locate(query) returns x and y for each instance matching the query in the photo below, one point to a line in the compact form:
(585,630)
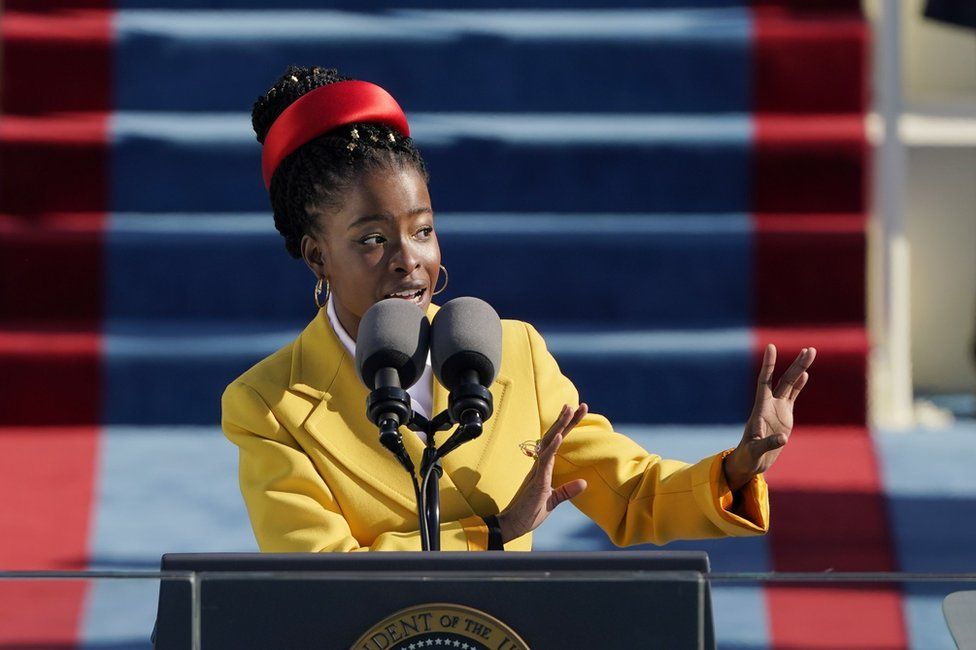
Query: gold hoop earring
(318,291)
(446,280)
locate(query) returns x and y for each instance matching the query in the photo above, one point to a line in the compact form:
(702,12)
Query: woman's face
(379,244)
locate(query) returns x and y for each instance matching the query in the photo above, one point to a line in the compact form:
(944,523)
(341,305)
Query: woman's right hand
(536,497)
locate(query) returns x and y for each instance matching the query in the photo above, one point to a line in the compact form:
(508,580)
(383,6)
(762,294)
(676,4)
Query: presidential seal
(440,626)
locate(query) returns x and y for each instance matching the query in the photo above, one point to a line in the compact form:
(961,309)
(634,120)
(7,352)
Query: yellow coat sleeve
(290,506)
(634,496)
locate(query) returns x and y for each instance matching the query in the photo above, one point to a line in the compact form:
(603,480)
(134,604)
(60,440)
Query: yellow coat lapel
(322,369)
(468,464)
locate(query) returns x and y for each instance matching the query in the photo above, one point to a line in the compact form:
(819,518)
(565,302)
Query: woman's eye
(372,240)
(425,232)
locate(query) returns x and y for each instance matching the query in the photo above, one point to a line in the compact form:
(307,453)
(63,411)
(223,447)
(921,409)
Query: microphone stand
(391,405)
(429,505)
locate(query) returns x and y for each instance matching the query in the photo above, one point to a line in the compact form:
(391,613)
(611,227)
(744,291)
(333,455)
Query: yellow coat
(315,477)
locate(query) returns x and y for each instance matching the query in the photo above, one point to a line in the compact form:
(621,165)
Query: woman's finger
(789,377)
(548,454)
(575,418)
(542,480)
(549,449)
(766,370)
(797,368)
(553,429)
(758,447)
(798,386)
(772,442)
(565,492)
(566,423)
(578,416)
(564,415)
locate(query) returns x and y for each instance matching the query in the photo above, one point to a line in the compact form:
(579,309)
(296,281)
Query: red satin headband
(323,109)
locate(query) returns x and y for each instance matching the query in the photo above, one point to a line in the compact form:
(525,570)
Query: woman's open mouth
(415,295)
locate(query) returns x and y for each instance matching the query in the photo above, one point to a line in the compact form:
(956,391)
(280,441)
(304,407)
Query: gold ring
(531,448)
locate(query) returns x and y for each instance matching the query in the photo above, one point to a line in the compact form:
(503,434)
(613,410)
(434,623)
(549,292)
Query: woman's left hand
(771,422)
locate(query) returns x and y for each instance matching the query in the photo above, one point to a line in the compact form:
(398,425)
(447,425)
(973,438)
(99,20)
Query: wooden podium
(414,601)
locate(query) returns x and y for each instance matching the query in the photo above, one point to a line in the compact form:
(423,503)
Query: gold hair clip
(351,146)
(354,134)
(392,138)
(294,78)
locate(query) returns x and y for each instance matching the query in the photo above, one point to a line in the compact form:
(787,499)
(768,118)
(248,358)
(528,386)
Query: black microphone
(466,352)
(391,353)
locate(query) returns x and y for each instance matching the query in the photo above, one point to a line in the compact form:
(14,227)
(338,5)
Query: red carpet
(50,471)
(811,179)
(830,515)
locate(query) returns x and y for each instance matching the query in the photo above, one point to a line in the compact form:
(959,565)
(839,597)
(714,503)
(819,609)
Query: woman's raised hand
(536,498)
(771,422)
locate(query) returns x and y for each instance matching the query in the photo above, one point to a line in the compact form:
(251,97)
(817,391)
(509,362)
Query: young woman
(349,192)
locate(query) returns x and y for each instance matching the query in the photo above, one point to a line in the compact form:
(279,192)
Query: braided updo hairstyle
(317,174)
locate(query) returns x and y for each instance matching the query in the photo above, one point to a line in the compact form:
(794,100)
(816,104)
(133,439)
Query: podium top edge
(497,561)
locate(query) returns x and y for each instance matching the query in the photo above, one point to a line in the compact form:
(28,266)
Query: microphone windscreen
(466,335)
(393,333)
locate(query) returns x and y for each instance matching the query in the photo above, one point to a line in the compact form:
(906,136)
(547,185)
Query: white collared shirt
(421,393)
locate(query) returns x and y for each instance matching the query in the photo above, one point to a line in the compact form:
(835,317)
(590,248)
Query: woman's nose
(405,258)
